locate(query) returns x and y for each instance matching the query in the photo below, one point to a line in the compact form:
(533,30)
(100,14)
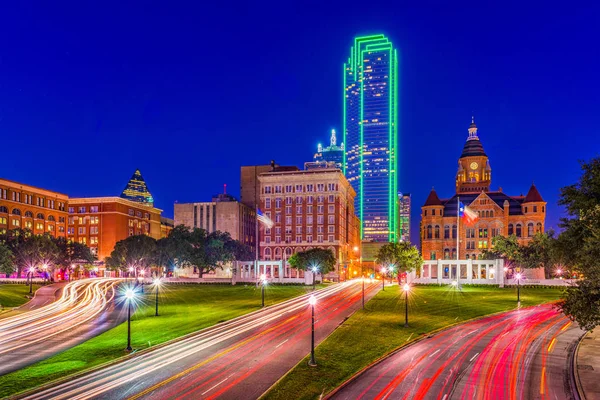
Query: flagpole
(457,227)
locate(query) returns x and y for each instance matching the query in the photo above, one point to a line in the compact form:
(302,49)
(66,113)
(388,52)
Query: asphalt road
(521,354)
(238,359)
(84,309)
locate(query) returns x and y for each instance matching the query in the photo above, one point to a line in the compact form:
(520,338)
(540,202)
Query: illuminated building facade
(137,190)
(371,135)
(309,209)
(28,207)
(331,156)
(404,217)
(497,213)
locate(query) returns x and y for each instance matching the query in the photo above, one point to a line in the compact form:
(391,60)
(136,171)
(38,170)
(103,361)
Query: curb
(575,372)
(412,342)
(134,353)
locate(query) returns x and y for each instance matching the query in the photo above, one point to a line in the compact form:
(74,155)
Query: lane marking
(551,345)
(543,381)
(215,386)
(445,397)
(471,332)
(434,353)
(281,343)
(475,356)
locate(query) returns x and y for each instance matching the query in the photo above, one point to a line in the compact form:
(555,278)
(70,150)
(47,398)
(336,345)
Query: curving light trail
(216,360)
(80,302)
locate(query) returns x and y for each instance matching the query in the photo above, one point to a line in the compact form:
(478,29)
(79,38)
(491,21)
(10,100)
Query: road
(84,309)
(521,354)
(238,359)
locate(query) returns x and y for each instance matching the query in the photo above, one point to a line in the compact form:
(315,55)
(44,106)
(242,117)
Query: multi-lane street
(238,359)
(84,309)
(522,354)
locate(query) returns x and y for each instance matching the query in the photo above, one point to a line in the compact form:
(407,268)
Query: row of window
(319,187)
(300,219)
(29,214)
(299,200)
(309,229)
(309,209)
(94,209)
(452,255)
(433,232)
(15,223)
(288,251)
(309,239)
(29,199)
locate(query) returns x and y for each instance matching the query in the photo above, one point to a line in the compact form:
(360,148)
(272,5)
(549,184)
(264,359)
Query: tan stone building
(498,213)
(28,207)
(312,208)
(224,214)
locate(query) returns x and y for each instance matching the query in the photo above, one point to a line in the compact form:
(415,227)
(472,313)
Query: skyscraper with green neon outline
(371,134)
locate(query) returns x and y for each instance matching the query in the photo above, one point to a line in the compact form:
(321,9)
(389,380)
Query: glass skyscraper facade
(371,135)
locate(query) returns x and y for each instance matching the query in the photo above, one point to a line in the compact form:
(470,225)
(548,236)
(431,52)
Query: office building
(404,217)
(371,135)
(331,156)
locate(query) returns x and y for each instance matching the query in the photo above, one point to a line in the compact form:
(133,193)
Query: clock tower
(474,172)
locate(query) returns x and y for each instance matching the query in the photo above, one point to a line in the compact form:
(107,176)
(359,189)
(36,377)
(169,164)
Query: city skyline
(97,95)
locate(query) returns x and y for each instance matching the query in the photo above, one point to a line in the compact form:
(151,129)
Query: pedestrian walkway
(588,365)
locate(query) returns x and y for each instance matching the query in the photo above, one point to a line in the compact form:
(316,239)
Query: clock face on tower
(474,165)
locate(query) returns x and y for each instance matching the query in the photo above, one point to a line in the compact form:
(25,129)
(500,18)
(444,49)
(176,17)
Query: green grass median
(14,294)
(183,309)
(379,329)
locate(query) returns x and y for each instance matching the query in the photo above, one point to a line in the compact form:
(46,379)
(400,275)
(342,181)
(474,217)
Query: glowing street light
(383,271)
(263,281)
(31,271)
(454,284)
(45,268)
(518,277)
(157,283)
(406,290)
(130,296)
(314,270)
(312,300)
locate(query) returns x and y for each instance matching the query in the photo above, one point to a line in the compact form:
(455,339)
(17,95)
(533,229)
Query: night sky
(188,94)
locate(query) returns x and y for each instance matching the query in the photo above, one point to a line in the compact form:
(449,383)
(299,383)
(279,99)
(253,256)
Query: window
(530,229)
(432,255)
(299,189)
(309,188)
(309,209)
(278,188)
(298,209)
(278,203)
(93,209)
(299,220)
(425,213)
(319,238)
(130,231)
(298,230)
(446,231)
(309,219)
(299,239)
(429,232)
(470,233)
(83,240)
(330,238)
(331,198)
(510,229)
(61,229)
(538,227)
(267,203)
(483,232)
(81,210)
(16,222)
(3,209)
(309,229)
(298,200)
(139,214)
(453,231)
(288,209)
(131,212)
(525,209)
(320,229)
(50,228)
(289,200)
(331,219)
(331,209)
(321,199)
(70,230)
(146,215)
(60,219)
(309,238)
(437,231)
(331,187)
(320,209)
(331,229)
(534,209)
(2,220)
(483,244)
(16,211)
(320,187)
(519,233)
(288,220)
(94,220)
(81,230)
(277,239)
(268,240)
(289,188)
(94,240)
(446,254)
(433,212)
(268,190)
(93,230)
(320,219)
(29,214)
(71,210)
(277,217)
(39,226)
(309,200)
(131,222)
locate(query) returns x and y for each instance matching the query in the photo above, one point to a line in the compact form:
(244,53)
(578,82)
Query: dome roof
(473,147)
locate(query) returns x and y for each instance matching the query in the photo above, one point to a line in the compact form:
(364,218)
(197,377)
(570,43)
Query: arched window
(453,231)
(278,253)
(268,254)
(3,209)
(538,227)
(492,214)
(16,211)
(530,229)
(454,254)
(446,231)
(446,254)
(467,256)
(519,229)
(437,231)
(487,214)
(28,214)
(429,233)
(51,218)
(288,252)
(511,229)
(40,216)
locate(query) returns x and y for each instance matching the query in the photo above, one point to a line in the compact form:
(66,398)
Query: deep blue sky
(189,93)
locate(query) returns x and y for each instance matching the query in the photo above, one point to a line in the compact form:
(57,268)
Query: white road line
(335,308)
(281,343)
(445,397)
(215,386)
(475,356)
(472,332)
(434,353)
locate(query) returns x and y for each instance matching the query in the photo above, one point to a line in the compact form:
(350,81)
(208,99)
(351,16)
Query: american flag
(263,219)
(469,215)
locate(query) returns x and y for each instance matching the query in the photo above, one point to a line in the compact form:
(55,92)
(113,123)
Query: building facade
(311,208)
(224,213)
(371,135)
(404,217)
(28,207)
(331,156)
(497,213)
(100,222)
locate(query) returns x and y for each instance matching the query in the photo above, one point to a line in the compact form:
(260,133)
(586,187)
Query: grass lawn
(14,295)
(370,334)
(183,309)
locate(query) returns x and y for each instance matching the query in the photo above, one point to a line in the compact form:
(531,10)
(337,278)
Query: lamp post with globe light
(314,271)
(312,300)
(518,276)
(157,283)
(263,282)
(45,268)
(406,290)
(129,296)
(31,271)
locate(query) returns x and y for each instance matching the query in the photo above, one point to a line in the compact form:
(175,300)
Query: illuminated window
(70,231)
(81,230)
(83,240)
(94,230)
(61,229)
(93,209)
(2,220)
(39,226)
(94,240)
(94,220)
(81,220)
(50,228)
(16,222)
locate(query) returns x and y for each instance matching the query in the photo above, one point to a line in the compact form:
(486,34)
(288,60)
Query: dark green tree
(506,248)
(322,259)
(73,255)
(7,260)
(36,251)
(401,257)
(138,252)
(579,245)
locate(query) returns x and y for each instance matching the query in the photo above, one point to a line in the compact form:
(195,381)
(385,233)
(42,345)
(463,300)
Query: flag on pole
(263,219)
(465,212)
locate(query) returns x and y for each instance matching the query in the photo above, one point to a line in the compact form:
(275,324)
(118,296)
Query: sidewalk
(588,365)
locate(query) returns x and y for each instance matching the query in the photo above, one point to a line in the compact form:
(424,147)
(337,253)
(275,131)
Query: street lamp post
(157,283)
(130,272)
(129,295)
(31,270)
(518,276)
(45,267)
(314,274)
(312,301)
(383,270)
(406,289)
(263,280)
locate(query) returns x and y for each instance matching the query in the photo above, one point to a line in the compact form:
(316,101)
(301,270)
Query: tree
(174,250)
(36,251)
(7,260)
(581,239)
(209,251)
(13,239)
(507,248)
(540,253)
(138,252)
(323,259)
(73,254)
(402,257)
